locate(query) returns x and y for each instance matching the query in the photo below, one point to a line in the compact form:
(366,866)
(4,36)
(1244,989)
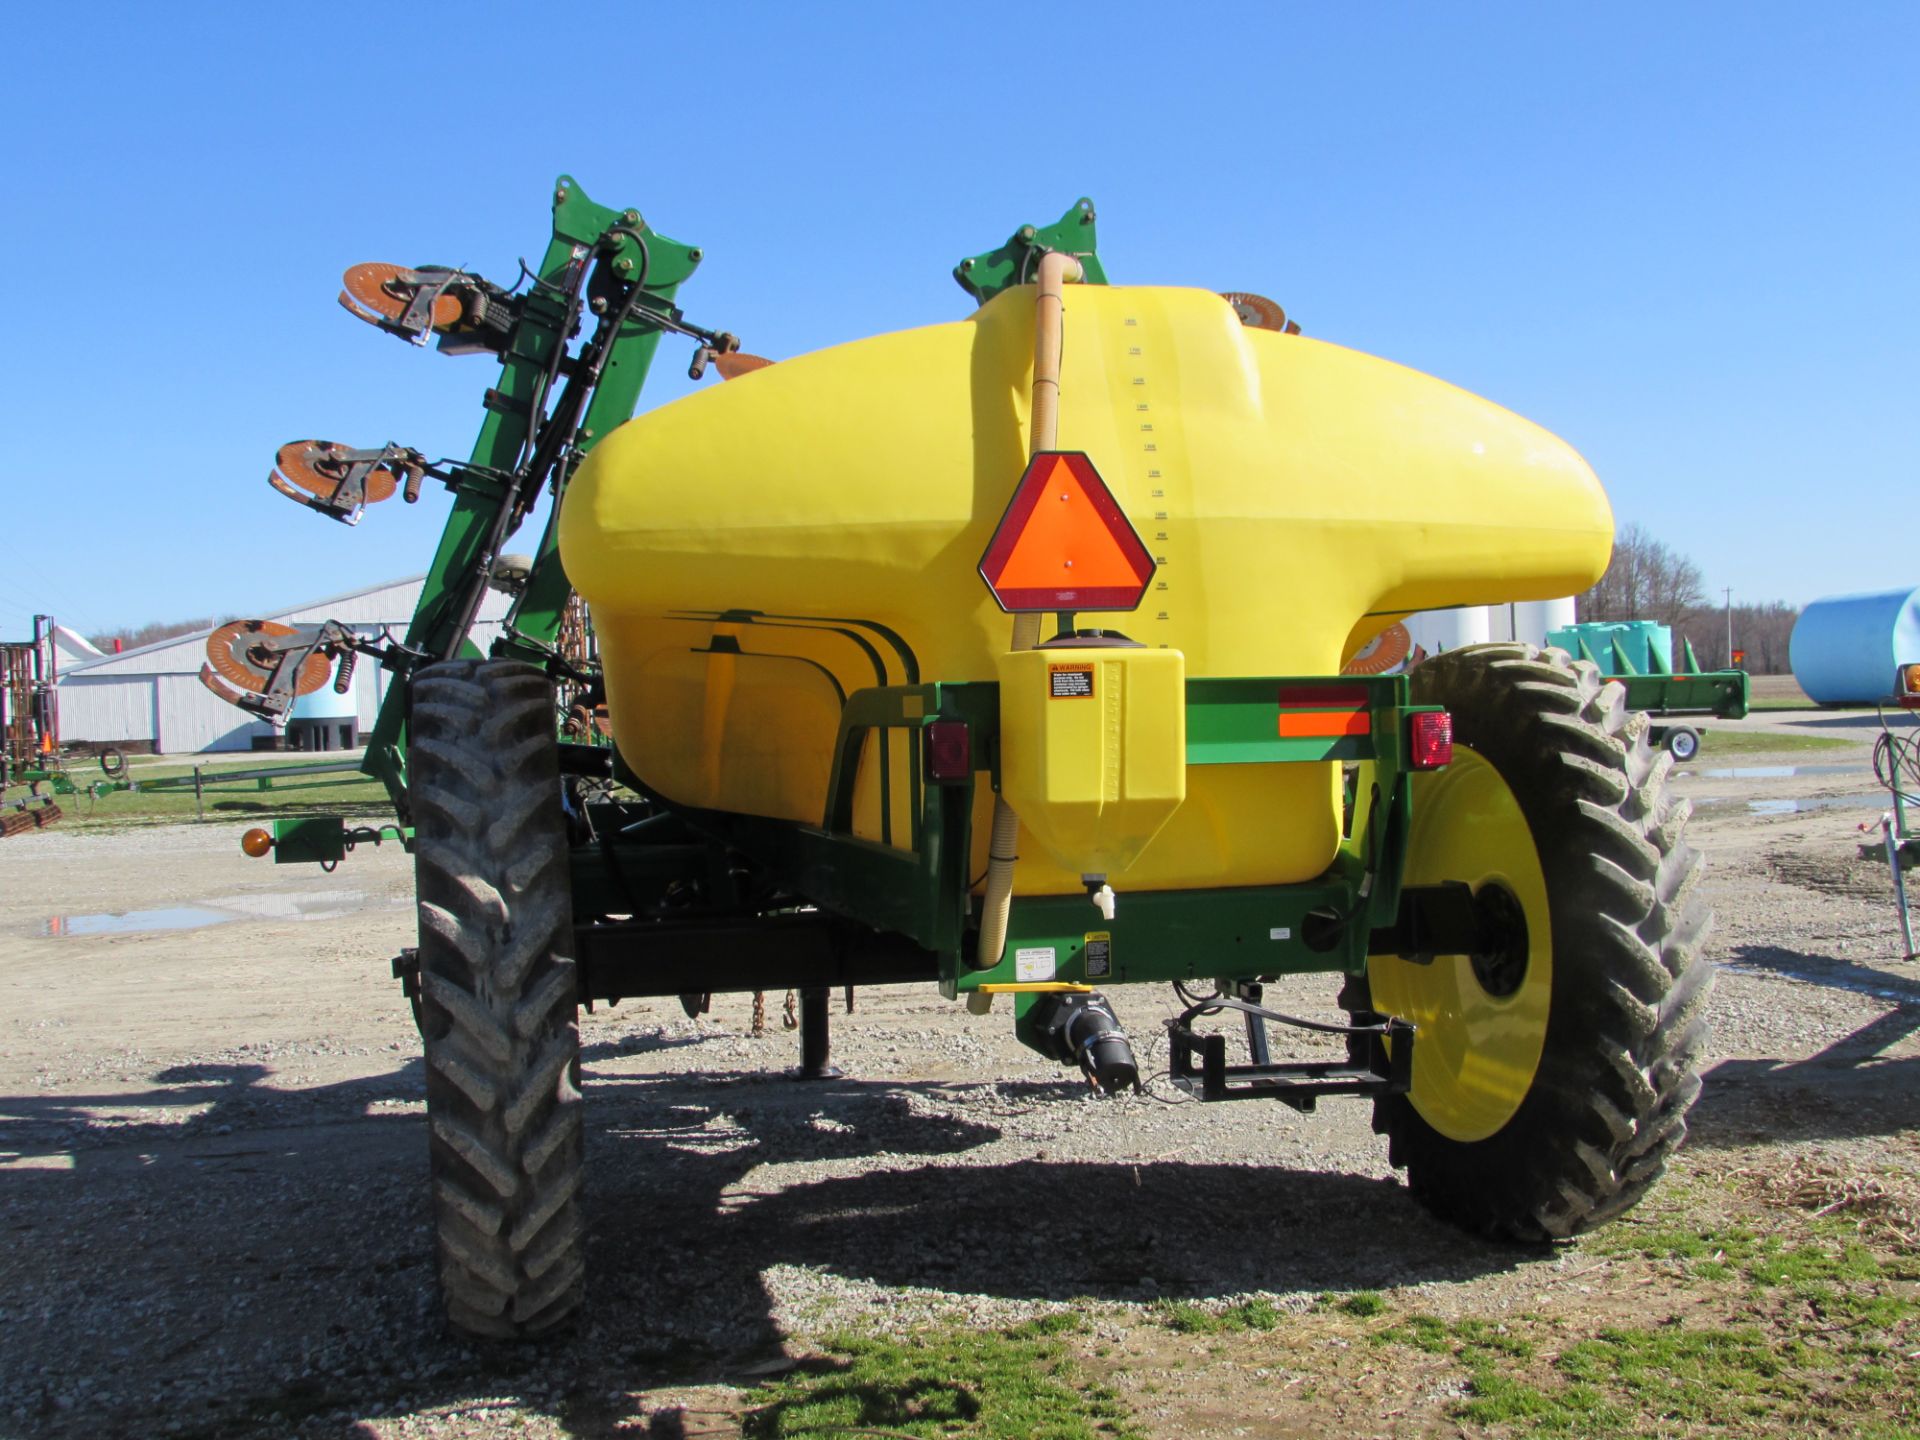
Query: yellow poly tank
(757,550)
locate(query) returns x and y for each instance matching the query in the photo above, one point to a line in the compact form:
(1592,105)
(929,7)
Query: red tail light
(1432,745)
(949,751)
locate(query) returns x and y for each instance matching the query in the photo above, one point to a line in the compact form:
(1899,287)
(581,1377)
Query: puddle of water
(180,917)
(1818,802)
(301,905)
(1778,772)
(310,905)
(1795,807)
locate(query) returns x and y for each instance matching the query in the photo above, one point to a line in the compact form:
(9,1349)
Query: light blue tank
(1845,647)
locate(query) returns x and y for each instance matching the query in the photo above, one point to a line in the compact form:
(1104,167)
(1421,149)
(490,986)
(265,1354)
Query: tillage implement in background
(30,760)
(35,772)
(1002,654)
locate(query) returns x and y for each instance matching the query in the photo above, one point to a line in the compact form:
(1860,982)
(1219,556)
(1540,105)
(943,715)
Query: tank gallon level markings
(1153,429)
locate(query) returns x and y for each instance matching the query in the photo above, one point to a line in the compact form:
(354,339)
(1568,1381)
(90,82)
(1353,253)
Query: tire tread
(1626,1027)
(498,993)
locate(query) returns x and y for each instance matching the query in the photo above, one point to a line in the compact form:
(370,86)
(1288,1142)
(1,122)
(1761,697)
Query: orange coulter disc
(311,465)
(1383,654)
(735,364)
(376,291)
(230,650)
(1259,313)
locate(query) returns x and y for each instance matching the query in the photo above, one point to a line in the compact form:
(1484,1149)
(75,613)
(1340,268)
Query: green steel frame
(625,251)
(920,890)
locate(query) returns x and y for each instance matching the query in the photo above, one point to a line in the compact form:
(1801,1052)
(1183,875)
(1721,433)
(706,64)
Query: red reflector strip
(1302,724)
(1323,697)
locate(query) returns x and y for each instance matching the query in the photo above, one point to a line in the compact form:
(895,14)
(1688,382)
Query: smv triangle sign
(1064,543)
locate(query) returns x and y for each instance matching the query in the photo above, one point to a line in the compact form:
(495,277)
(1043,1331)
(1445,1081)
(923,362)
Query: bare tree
(1644,581)
(132,637)
(1762,631)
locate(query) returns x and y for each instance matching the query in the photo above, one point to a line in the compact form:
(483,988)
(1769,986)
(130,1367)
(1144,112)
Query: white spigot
(1103,901)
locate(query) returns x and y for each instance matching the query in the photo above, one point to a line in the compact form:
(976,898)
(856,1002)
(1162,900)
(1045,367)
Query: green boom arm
(601,262)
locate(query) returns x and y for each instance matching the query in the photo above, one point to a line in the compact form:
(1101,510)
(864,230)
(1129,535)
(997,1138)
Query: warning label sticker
(1098,954)
(1069,682)
(1036,963)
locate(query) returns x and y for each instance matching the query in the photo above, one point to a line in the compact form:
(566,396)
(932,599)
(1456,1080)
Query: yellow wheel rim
(1474,1054)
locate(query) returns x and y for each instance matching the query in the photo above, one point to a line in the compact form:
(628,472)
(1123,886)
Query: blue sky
(1683,237)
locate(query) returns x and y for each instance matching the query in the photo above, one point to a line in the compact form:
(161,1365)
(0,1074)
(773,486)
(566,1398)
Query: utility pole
(1729,590)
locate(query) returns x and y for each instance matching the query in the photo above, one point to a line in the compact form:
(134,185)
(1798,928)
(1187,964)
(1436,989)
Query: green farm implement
(1664,692)
(1001,655)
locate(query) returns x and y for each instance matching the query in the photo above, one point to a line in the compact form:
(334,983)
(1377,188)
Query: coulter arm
(574,346)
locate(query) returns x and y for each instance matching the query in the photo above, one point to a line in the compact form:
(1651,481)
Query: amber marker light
(256,842)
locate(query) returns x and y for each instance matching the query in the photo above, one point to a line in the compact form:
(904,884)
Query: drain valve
(1080,1028)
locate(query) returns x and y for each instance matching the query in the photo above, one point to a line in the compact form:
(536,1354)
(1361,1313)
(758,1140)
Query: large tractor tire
(497,996)
(1551,1079)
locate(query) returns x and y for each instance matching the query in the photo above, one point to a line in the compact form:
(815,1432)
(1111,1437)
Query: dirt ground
(213,1157)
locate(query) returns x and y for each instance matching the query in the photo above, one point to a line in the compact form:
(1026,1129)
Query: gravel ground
(212,1149)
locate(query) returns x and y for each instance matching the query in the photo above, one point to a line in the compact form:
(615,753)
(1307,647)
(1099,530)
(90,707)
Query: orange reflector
(256,842)
(1064,543)
(1299,724)
(1910,679)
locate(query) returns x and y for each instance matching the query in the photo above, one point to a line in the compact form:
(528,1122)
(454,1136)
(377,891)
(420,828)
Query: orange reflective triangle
(1064,543)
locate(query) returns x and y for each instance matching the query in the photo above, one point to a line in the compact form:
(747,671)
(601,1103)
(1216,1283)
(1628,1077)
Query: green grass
(1185,1318)
(1821,1340)
(1717,743)
(1666,1379)
(1707,1252)
(957,1384)
(1829,1272)
(1457,1337)
(228,801)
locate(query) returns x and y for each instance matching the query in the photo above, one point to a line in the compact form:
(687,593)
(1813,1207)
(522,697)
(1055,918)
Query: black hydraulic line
(1896,761)
(1245,1007)
(528,474)
(537,403)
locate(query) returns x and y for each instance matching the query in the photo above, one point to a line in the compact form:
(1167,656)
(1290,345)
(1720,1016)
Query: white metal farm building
(154,694)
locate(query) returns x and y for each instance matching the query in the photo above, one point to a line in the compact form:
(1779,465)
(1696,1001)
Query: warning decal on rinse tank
(1069,682)
(1098,954)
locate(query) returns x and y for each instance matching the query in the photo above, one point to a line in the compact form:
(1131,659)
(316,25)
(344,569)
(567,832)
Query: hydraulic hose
(1049,307)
